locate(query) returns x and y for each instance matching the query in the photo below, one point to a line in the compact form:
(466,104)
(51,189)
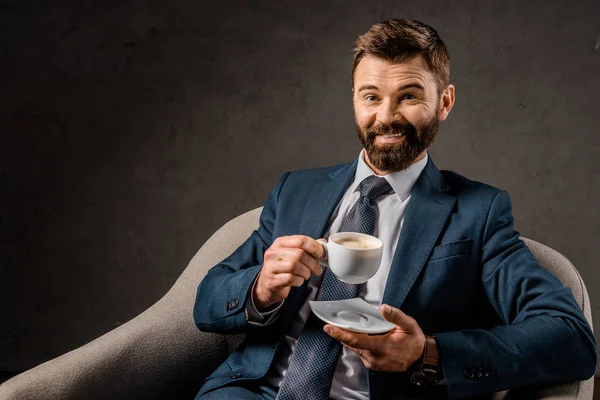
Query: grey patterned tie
(310,372)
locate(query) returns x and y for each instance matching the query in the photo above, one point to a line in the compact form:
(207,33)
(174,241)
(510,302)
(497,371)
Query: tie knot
(373,186)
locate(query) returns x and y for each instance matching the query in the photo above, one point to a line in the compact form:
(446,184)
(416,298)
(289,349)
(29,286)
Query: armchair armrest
(159,354)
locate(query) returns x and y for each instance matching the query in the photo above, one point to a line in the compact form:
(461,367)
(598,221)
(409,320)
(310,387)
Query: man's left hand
(393,352)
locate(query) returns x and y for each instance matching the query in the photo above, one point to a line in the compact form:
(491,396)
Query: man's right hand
(288,262)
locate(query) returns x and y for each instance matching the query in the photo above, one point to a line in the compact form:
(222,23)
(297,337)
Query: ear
(446,102)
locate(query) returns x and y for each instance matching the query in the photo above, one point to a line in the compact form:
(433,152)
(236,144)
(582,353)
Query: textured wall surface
(130,131)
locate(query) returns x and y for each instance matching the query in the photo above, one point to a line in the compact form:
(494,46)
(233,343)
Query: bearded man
(474,313)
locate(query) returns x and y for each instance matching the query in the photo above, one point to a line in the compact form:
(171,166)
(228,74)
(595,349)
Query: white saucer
(355,315)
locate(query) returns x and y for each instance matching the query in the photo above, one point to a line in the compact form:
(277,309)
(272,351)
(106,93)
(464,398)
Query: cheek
(412,114)
(364,116)
(416,115)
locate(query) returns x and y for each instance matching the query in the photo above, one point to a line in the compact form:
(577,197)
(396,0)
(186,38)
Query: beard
(393,157)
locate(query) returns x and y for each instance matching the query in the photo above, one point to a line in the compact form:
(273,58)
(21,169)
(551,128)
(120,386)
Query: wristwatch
(427,370)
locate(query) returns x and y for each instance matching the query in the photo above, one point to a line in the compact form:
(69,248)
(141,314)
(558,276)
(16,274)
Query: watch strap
(431,356)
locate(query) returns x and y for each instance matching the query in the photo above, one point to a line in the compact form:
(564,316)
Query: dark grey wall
(130,131)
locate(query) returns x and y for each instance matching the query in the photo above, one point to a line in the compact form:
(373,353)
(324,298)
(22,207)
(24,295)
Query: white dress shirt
(350,377)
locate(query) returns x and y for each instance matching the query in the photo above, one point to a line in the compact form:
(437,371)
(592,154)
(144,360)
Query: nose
(388,112)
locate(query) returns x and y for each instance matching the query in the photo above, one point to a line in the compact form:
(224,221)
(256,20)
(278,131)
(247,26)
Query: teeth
(392,136)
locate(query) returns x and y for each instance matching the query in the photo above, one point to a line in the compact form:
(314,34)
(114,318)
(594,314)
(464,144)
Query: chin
(391,162)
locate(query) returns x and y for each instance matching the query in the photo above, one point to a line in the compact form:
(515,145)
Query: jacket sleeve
(221,296)
(544,338)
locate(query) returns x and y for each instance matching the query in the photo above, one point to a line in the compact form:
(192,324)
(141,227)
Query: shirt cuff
(258,318)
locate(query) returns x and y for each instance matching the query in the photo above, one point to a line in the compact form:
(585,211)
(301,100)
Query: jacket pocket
(452,249)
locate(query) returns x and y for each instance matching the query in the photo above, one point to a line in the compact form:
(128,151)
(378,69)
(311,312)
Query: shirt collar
(402,181)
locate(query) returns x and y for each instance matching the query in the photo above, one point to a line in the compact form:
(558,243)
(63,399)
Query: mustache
(393,128)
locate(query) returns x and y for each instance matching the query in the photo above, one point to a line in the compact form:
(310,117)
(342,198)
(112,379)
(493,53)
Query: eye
(371,98)
(409,96)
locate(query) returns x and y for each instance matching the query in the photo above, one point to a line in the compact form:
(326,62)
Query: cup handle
(323,243)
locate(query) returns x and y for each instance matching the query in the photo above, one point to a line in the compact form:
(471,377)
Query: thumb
(397,317)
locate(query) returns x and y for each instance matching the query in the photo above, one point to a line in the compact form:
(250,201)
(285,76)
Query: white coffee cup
(352,257)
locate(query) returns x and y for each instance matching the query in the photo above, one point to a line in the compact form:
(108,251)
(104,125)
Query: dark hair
(398,40)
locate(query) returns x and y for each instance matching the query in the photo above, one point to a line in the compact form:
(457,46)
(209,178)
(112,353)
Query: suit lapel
(324,198)
(322,202)
(426,215)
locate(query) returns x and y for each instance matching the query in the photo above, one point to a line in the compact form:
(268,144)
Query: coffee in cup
(356,243)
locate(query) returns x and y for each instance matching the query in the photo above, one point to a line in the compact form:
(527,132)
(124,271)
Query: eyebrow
(413,85)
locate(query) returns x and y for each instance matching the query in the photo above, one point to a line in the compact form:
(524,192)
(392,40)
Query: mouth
(389,138)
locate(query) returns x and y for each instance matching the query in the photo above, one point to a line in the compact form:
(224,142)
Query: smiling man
(474,312)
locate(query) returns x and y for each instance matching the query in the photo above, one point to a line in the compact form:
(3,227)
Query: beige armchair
(161,354)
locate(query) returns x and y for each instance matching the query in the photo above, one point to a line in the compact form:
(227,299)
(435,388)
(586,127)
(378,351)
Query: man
(474,312)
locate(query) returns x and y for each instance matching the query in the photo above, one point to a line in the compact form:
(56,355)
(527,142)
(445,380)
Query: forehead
(372,69)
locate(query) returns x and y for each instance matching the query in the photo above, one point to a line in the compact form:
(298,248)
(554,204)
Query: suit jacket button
(234,303)
(236,376)
(480,373)
(468,373)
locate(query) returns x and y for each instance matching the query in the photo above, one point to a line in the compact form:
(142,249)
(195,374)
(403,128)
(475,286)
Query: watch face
(425,377)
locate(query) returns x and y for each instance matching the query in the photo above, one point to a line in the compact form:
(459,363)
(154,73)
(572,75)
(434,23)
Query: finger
(350,339)
(301,270)
(366,357)
(311,263)
(361,352)
(288,264)
(280,254)
(304,258)
(279,242)
(319,252)
(322,241)
(306,243)
(398,318)
(281,281)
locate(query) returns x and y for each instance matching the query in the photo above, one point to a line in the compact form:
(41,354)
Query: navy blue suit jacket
(500,319)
